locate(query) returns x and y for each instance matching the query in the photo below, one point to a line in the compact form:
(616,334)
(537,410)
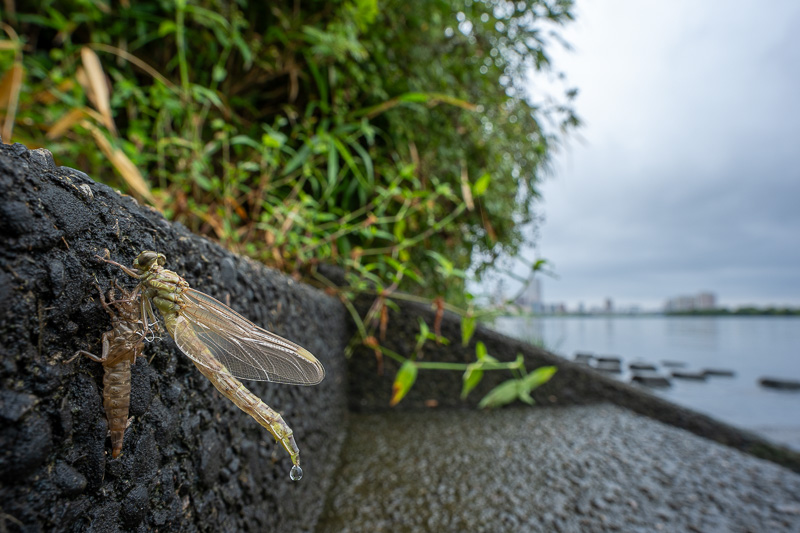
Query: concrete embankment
(581,468)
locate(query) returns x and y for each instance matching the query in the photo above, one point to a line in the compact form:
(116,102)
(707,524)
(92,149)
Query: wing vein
(212,334)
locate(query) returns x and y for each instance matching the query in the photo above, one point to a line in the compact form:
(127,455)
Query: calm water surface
(753,347)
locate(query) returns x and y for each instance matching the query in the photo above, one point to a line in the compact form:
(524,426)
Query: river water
(753,347)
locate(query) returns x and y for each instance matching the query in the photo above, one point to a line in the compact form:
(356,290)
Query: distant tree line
(739,311)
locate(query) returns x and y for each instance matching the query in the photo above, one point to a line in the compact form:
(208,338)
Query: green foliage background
(393,138)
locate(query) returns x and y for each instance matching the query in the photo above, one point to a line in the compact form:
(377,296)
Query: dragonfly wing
(241,348)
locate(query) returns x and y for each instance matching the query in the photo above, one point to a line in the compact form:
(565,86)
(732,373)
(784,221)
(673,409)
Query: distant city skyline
(531,299)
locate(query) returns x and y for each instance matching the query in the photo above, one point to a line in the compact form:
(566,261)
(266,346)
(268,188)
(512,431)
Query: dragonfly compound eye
(146,259)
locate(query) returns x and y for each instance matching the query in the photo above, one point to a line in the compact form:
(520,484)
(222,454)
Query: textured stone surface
(582,468)
(191,460)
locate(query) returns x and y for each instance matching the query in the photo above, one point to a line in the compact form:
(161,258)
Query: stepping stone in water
(642,366)
(612,367)
(720,372)
(651,380)
(781,384)
(694,376)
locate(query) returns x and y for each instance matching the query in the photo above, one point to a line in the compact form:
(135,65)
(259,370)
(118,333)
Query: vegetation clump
(398,140)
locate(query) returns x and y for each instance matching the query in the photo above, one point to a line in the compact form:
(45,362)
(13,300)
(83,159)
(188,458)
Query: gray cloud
(688,177)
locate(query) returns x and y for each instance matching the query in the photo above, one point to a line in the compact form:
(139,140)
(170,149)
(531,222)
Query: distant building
(706,300)
(700,301)
(608,306)
(531,297)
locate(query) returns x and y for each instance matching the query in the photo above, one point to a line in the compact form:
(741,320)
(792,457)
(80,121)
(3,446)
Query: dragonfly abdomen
(232,388)
(117,401)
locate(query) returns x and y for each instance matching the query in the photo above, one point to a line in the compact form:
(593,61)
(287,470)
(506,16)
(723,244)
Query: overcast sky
(686,175)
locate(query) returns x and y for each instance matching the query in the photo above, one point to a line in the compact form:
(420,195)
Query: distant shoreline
(740,312)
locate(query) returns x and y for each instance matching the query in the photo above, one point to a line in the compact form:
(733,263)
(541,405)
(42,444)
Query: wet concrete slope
(571,469)
(191,460)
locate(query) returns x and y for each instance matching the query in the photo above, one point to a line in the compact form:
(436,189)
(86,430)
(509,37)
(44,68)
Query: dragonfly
(223,345)
(122,344)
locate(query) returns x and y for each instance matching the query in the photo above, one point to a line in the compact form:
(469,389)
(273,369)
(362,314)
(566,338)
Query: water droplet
(297,473)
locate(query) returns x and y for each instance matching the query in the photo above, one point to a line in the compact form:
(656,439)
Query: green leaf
(273,139)
(399,229)
(333,164)
(351,163)
(203,182)
(503,394)
(245,140)
(219,73)
(539,265)
(538,377)
(322,84)
(397,265)
(480,351)
(392,305)
(205,95)
(366,11)
(166,27)
(480,186)
(367,160)
(405,378)
(424,330)
(468,324)
(297,160)
(525,396)
(414,277)
(244,49)
(445,264)
(472,376)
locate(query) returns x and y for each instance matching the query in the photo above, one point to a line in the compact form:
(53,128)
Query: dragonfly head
(145,260)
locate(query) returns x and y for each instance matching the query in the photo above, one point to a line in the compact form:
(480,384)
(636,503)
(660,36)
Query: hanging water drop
(297,473)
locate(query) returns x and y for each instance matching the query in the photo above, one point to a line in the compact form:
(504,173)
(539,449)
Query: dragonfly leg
(97,358)
(90,355)
(125,269)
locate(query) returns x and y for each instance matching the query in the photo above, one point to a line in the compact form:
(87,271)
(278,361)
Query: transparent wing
(245,350)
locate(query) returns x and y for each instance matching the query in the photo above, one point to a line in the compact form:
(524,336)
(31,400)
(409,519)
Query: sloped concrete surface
(581,468)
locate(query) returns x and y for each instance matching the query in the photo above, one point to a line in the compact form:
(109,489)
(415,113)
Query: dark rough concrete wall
(573,384)
(191,461)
